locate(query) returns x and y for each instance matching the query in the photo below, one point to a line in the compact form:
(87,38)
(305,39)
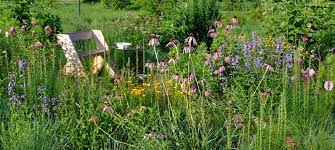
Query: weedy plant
(252,92)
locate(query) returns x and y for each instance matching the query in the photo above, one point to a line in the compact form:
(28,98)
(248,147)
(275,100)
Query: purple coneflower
(268,67)
(216,55)
(191,40)
(173,59)
(229,27)
(154,40)
(310,72)
(191,76)
(234,21)
(34,23)
(106,107)
(220,70)
(212,33)
(193,89)
(163,66)
(207,93)
(175,77)
(328,85)
(150,65)
(305,38)
(187,48)
(47,29)
(172,43)
(227,59)
(218,23)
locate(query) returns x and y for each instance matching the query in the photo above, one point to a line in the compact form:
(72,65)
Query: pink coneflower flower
(173,42)
(310,72)
(207,93)
(216,55)
(229,28)
(193,89)
(227,59)
(163,66)
(106,107)
(202,80)
(328,85)
(234,21)
(218,23)
(191,76)
(154,40)
(268,67)
(175,77)
(47,29)
(220,70)
(34,23)
(212,33)
(150,65)
(173,59)
(191,40)
(187,48)
(305,38)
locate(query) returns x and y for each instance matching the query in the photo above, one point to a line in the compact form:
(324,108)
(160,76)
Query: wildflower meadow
(167,74)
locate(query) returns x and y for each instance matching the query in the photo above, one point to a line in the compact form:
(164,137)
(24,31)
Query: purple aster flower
(258,62)
(11,30)
(22,64)
(328,85)
(235,60)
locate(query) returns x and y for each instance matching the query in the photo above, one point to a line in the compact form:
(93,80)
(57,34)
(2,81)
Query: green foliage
(116,4)
(197,18)
(157,7)
(296,20)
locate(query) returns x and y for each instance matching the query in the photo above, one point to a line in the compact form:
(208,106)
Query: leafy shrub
(116,4)
(310,23)
(156,6)
(198,17)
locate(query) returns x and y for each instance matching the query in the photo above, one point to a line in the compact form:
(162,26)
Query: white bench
(73,66)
